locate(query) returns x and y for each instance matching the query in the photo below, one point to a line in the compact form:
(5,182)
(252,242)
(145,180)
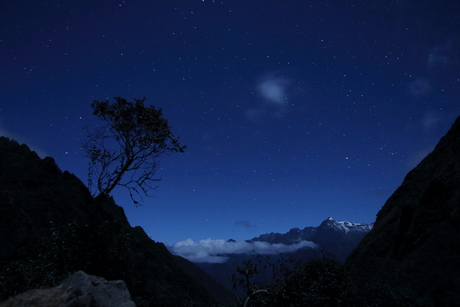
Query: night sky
(292,111)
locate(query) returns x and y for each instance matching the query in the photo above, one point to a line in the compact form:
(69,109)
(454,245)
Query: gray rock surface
(79,290)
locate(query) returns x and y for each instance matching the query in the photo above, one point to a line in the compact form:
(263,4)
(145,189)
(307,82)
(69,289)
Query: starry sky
(292,111)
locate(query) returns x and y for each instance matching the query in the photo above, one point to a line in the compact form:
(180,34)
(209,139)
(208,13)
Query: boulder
(79,290)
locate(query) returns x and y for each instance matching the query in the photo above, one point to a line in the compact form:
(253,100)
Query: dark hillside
(415,241)
(50,227)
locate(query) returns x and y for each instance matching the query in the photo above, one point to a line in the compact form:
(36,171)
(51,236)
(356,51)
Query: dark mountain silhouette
(51,227)
(415,241)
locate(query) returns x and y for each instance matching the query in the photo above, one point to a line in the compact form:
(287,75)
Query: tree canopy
(126,150)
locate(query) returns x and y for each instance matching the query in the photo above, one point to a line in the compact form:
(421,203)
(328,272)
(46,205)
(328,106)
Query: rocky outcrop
(79,290)
(51,227)
(415,243)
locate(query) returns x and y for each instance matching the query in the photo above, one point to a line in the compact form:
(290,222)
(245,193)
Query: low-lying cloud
(214,251)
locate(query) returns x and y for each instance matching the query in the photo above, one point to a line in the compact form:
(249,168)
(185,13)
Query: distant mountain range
(334,238)
(337,238)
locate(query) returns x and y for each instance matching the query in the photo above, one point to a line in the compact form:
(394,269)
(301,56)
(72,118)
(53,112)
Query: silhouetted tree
(127,149)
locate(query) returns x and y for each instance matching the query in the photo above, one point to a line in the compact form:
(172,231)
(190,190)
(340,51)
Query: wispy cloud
(256,115)
(274,89)
(416,157)
(420,87)
(443,55)
(214,251)
(245,224)
(429,123)
(431,120)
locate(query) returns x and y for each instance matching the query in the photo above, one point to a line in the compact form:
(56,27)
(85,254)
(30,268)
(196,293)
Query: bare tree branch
(127,149)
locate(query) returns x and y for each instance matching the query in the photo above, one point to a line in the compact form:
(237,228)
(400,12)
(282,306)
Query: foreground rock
(79,290)
(415,242)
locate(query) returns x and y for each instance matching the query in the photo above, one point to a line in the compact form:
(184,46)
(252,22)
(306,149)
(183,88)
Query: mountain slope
(415,243)
(51,226)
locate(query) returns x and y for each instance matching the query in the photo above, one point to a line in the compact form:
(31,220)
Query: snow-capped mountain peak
(346,226)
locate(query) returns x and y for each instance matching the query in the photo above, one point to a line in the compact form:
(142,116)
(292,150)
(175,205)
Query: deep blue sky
(292,111)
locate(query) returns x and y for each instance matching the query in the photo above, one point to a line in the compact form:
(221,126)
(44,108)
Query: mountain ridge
(308,233)
(337,238)
(51,226)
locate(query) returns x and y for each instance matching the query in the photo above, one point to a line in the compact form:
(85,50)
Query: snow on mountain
(328,227)
(348,226)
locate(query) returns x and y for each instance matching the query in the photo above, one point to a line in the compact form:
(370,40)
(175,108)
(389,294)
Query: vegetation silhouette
(127,149)
(322,281)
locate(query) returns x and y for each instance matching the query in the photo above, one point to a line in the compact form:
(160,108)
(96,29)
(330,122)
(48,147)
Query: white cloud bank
(214,251)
